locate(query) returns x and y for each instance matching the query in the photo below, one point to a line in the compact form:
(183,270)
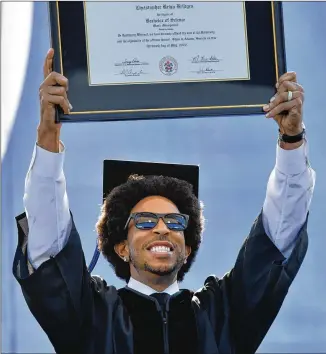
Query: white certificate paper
(153,42)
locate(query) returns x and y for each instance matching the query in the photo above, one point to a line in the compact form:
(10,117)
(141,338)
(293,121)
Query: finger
(289,86)
(285,106)
(55,100)
(48,63)
(282,97)
(57,90)
(55,78)
(60,91)
(289,76)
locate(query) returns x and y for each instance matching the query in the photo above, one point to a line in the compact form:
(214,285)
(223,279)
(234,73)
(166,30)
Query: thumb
(48,63)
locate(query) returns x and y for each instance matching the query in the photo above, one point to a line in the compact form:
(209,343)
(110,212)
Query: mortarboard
(117,172)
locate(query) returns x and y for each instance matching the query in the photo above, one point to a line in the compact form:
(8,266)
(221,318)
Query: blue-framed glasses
(147,221)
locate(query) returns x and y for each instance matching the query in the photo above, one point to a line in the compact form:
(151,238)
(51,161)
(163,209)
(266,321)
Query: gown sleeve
(244,303)
(59,293)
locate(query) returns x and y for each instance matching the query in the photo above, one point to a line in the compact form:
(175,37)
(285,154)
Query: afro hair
(118,204)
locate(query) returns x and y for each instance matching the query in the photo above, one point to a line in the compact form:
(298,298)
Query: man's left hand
(287,113)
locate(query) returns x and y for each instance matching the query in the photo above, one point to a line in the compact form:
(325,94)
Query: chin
(162,270)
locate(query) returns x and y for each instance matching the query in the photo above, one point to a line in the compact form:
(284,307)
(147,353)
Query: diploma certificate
(129,60)
(156,42)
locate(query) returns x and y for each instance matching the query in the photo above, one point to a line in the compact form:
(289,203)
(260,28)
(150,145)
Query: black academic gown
(81,314)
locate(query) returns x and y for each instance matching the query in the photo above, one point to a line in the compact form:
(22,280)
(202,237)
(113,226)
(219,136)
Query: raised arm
(49,262)
(291,184)
(45,199)
(253,292)
(265,270)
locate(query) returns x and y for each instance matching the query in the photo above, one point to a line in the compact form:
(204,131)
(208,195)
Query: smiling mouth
(161,249)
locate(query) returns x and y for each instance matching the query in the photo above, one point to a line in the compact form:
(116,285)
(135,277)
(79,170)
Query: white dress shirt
(288,196)
(147,290)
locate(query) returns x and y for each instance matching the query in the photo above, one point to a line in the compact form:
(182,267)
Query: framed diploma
(145,60)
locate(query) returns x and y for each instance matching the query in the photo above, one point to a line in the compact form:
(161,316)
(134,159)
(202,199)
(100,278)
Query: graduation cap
(117,172)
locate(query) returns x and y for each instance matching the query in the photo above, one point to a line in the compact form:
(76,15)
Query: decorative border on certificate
(167,43)
(169,98)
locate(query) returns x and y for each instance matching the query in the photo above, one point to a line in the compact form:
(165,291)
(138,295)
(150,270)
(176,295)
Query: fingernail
(266,107)
(272,99)
(267,115)
(70,106)
(277,85)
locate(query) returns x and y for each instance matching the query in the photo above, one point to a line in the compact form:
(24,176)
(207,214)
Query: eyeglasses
(147,221)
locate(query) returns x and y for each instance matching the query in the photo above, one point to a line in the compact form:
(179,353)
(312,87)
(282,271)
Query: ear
(122,250)
(188,251)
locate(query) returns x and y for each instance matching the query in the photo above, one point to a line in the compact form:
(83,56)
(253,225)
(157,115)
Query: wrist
(48,139)
(291,130)
(292,139)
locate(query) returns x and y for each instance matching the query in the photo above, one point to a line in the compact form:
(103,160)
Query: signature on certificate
(131,72)
(206,70)
(131,62)
(205,59)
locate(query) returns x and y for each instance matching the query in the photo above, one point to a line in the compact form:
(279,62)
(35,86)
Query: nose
(161,228)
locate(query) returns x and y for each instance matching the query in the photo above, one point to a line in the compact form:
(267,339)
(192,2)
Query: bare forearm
(48,140)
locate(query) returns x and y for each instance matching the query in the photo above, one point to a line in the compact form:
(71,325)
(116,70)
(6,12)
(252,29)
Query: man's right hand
(53,91)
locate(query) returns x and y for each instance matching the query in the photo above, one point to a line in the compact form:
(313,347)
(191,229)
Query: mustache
(159,238)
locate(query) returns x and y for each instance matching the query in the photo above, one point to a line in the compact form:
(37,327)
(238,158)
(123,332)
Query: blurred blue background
(236,156)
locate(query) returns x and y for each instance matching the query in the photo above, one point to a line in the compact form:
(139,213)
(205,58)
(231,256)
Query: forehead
(155,204)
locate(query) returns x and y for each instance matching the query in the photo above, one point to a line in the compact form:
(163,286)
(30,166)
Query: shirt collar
(146,290)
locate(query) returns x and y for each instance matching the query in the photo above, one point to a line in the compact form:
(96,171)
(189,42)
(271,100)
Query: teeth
(160,249)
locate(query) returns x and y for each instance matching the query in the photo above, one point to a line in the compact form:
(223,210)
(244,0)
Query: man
(150,231)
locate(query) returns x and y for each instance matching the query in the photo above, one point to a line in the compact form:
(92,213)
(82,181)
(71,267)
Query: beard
(162,271)
(158,270)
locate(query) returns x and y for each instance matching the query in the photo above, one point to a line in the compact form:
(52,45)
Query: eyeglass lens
(146,221)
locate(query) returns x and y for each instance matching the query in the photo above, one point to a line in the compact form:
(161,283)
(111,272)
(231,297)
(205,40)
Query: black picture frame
(266,50)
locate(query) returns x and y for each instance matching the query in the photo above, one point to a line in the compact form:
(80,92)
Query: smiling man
(149,254)
(150,230)
(162,241)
